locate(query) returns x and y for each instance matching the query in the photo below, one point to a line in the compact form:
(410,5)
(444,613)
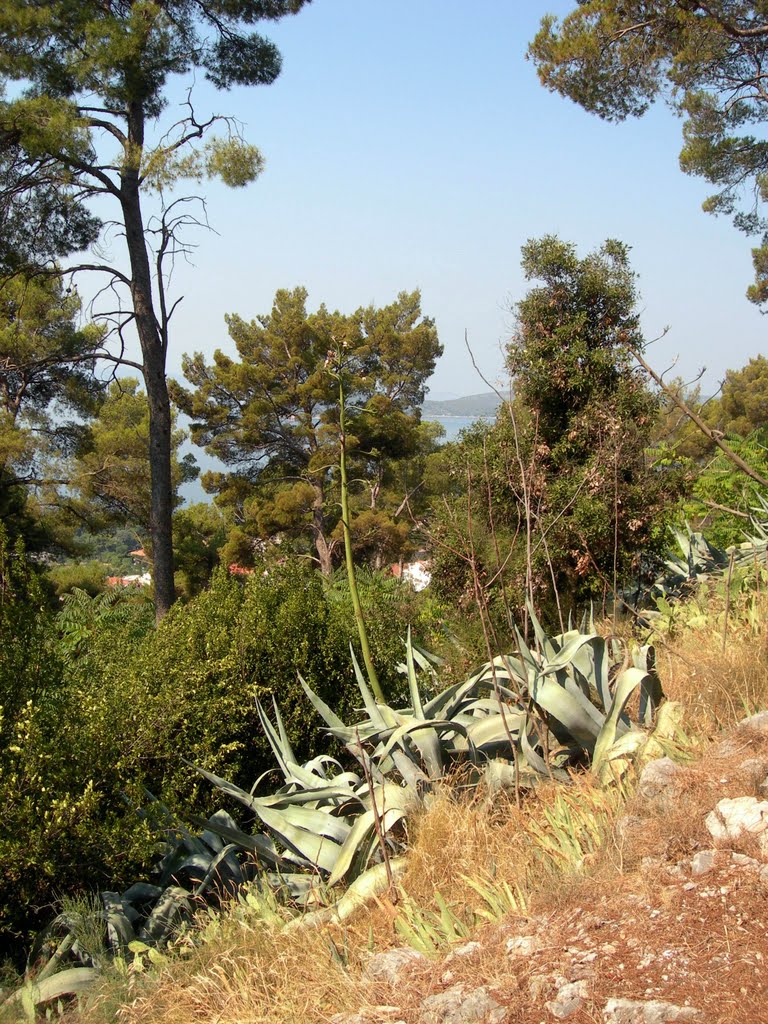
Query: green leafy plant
(427,930)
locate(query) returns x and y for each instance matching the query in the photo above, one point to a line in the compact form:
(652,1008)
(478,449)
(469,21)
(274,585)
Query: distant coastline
(485,405)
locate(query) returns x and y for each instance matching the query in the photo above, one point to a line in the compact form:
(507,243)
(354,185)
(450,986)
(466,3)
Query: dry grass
(237,976)
(248,973)
(719,684)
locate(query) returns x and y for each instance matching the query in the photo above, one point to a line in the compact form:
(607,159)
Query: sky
(409,144)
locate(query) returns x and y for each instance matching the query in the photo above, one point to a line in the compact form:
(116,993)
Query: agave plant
(548,706)
(753,551)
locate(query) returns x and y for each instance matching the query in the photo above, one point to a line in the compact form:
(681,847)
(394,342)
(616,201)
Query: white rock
(377,1014)
(758,722)
(568,1000)
(466,950)
(389,965)
(733,819)
(703,861)
(459,1005)
(743,861)
(660,778)
(523,945)
(638,1011)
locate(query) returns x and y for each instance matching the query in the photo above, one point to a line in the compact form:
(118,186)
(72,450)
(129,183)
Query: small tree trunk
(161,521)
(323,548)
(153,359)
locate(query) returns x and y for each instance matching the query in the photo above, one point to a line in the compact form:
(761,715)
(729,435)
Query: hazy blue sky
(409,144)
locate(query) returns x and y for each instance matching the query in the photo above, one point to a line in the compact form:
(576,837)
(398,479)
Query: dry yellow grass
(718,683)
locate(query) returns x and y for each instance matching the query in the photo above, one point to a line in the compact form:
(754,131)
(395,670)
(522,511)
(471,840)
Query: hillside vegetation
(247,772)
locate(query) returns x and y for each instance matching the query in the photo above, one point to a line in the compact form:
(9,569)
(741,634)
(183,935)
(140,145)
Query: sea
(192,493)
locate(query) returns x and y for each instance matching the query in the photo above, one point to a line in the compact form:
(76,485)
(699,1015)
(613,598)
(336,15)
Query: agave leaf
(480,708)
(372,882)
(329,794)
(226,787)
(626,684)
(543,641)
(196,863)
(601,680)
(172,909)
(321,707)
(361,842)
(282,757)
(225,857)
(427,742)
(445,703)
(261,846)
(119,917)
(504,669)
(413,683)
(426,660)
(529,661)
(411,729)
(411,774)
(374,712)
(318,849)
(286,743)
(490,732)
(71,982)
(537,762)
(141,892)
(567,653)
(351,735)
(578,715)
(213,839)
(651,692)
(319,822)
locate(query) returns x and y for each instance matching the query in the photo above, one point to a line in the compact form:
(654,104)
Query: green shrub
(63,823)
(194,682)
(111,707)
(88,576)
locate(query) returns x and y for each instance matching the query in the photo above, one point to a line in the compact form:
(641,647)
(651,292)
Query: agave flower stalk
(362,631)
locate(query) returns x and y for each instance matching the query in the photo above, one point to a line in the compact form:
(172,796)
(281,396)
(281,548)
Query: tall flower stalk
(335,363)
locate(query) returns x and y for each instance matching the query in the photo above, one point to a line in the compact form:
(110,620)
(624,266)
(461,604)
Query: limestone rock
(703,861)
(638,1011)
(660,779)
(390,965)
(459,1005)
(373,1015)
(523,945)
(737,818)
(568,1000)
(461,951)
(755,723)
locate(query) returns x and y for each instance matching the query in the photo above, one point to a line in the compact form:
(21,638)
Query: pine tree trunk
(153,359)
(322,546)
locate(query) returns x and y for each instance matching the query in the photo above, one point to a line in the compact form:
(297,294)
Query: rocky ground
(672,927)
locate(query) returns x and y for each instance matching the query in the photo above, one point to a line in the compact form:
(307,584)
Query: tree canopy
(48,392)
(560,495)
(273,414)
(707,59)
(743,406)
(92,79)
(110,472)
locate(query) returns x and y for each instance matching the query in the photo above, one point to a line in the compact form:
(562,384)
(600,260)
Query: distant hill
(472,405)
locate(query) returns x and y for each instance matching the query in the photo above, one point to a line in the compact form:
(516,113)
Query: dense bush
(108,707)
(61,821)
